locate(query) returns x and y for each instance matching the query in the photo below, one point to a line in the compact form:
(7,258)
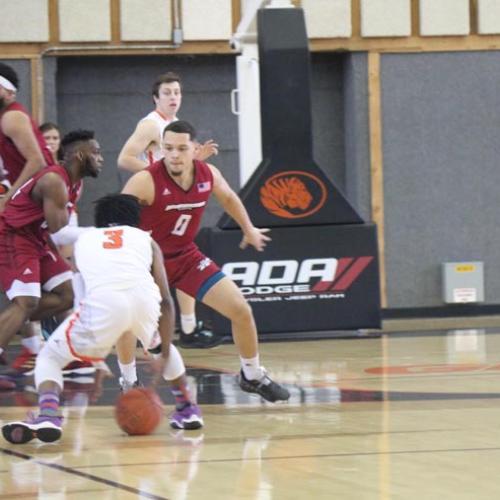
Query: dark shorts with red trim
(192,272)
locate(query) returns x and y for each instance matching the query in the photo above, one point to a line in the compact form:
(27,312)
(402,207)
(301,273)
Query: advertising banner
(307,279)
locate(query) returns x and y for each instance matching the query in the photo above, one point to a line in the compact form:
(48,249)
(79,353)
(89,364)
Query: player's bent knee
(242,312)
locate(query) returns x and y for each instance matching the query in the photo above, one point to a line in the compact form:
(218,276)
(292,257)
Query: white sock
(128,371)
(251,368)
(1,350)
(33,344)
(188,323)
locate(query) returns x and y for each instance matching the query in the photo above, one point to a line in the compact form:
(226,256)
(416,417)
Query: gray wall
(441,170)
(356,133)
(23,69)
(440,125)
(50,89)
(327,102)
(110,94)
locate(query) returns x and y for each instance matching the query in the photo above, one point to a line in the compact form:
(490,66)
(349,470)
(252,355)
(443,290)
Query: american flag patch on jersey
(203,186)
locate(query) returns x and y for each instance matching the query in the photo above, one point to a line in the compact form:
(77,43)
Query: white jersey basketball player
(126,294)
(153,152)
(143,147)
(120,292)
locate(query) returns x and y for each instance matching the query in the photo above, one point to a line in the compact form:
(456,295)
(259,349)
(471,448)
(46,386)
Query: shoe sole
(252,390)
(188,426)
(193,425)
(20,432)
(80,371)
(14,374)
(79,380)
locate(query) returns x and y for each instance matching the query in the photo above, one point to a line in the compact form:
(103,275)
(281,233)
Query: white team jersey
(154,152)
(115,258)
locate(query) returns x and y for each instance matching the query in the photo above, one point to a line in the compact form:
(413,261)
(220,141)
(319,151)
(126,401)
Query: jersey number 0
(181,224)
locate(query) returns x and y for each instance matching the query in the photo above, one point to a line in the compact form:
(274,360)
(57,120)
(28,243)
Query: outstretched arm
(233,206)
(143,136)
(17,126)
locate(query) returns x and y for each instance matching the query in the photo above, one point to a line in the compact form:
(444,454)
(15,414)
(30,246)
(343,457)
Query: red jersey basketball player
(23,152)
(143,148)
(29,263)
(174,193)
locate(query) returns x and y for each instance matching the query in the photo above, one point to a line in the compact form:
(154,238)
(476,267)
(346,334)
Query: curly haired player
(126,293)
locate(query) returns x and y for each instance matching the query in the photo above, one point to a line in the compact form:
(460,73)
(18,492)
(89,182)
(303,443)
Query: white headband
(6,84)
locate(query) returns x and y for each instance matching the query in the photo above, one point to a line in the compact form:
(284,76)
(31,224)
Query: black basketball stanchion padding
(288,188)
(320,272)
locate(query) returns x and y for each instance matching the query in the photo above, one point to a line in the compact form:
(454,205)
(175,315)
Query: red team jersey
(27,256)
(10,158)
(175,215)
(24,214)
(173,221)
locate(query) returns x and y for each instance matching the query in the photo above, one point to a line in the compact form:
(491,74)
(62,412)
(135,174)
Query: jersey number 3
(181,224)
(114,238)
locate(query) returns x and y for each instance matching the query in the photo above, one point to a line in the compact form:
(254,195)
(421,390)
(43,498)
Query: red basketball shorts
(28,265)
(192,272)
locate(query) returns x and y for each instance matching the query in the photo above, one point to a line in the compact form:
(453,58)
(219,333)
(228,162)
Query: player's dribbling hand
(206,150)
(255,237)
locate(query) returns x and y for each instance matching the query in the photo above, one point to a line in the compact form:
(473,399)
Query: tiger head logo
(287,195)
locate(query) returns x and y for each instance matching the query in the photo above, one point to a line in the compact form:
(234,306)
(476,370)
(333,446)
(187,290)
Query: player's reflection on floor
(79,391)
(309,383)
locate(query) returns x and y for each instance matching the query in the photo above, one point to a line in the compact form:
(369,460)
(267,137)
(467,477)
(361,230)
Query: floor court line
(90,477)
(275,438)
(384,432)
(301,457)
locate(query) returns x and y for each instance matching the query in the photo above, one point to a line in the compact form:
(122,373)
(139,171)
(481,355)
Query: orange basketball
(139,411)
